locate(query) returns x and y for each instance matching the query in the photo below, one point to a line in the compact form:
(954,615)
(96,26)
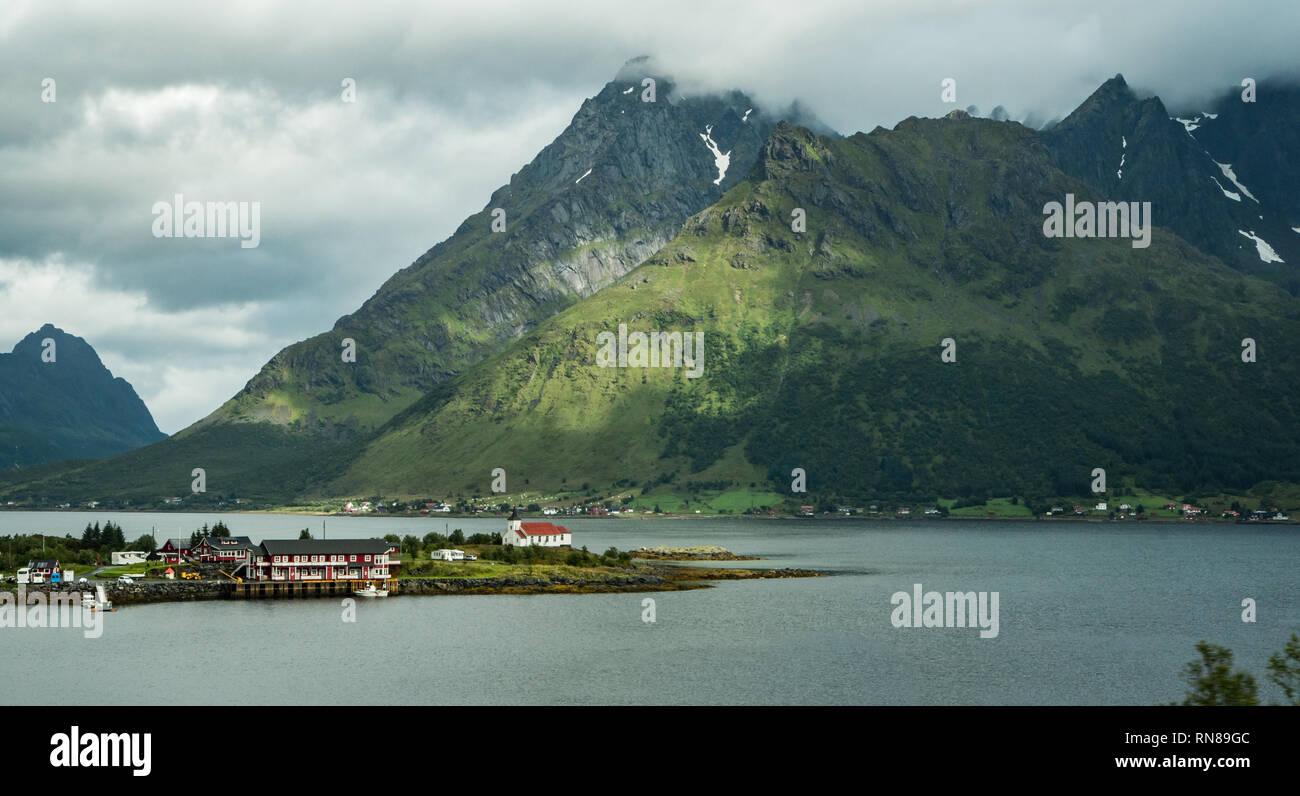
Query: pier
(265,590)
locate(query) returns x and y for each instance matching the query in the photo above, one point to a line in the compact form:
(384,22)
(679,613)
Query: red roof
(542,529)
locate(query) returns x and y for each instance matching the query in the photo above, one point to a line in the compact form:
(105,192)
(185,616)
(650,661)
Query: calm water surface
(1090,613)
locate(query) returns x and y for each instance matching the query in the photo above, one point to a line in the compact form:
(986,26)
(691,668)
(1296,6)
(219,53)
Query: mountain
(822,349)
(59,402)
(607,193)
(1224,181)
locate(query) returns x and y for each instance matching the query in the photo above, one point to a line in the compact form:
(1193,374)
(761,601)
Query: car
(82,580)
(126,581)
(471,558)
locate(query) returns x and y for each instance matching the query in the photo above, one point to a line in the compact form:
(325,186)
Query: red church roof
(542,529)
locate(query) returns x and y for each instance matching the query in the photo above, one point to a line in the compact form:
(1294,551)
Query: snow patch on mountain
(588,171)
(1236,197)
(1266,253)
(722,160)
(745,118)
(1226,168)
(630,89)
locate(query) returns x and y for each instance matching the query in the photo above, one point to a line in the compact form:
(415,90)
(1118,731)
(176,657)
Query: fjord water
(1090,613)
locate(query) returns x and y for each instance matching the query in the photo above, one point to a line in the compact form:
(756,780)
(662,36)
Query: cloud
(240,101)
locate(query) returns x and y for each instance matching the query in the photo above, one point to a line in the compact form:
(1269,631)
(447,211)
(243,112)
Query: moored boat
(371,591)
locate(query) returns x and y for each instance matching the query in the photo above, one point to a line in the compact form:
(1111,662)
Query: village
(369,562)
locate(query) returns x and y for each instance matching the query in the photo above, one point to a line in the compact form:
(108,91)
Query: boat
(371,591)
(99,602)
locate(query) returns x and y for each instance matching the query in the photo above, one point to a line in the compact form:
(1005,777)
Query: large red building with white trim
(323,559)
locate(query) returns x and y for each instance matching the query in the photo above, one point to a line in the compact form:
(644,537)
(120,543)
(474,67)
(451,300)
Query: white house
(536,534)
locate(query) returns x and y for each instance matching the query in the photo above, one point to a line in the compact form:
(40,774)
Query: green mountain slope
(822,349)
(611,189)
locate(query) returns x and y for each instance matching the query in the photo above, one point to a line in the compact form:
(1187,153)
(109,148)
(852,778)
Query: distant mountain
(68,407)
(1224,180)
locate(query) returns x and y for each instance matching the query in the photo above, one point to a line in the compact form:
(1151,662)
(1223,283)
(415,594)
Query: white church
(537,534)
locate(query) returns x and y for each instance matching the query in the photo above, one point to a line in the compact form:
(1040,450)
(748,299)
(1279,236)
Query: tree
(146,543)
(220,529)
(305,533)
(434,541)
(112,536)
(1213,681)
(1284,670)
(411,546)
(457,537)
(90,538)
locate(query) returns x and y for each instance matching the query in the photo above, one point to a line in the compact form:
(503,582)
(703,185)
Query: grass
(1001,507)
(142,568)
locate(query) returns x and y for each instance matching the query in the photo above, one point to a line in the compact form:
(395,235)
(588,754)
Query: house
(322,559)
(43,570)
(806,511)
(234,550)
(550,511)
(932,511)
(128,557)
(535,534)
(1100,507)
(173,550)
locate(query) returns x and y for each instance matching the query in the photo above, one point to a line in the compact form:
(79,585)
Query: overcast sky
(241,101)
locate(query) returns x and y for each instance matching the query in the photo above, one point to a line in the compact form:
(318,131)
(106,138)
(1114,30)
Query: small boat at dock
(371,591)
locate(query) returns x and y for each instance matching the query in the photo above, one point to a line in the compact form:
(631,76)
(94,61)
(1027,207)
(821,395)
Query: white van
(25,575)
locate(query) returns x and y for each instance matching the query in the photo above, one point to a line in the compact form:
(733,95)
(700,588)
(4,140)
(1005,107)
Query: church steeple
(514,523)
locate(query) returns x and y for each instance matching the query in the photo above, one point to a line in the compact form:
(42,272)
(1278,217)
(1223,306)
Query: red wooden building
(224,550)
(173,550)
(322,559)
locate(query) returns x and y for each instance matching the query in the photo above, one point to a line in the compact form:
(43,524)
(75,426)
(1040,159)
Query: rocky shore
(665,553)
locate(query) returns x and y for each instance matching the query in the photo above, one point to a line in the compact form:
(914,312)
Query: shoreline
(819,518)
(645,578)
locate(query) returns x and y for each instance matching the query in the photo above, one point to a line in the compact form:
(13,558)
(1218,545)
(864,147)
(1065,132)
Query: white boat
(371,591)
(99,602)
